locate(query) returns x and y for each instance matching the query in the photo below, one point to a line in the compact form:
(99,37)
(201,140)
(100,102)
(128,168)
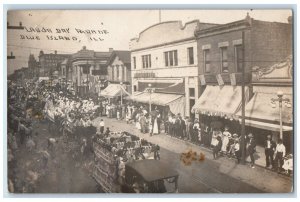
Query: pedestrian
(225,140)
(158,119)
(107,132)
(237,151)
(118,114)
(217,148)
(150,126)
(251,148)
(270,147)
(172,125)
(195,132)
(183,128)
(143,123)
(102,124)
(187,128)
(155,126)
(128,117)
(280,152)
(178,131)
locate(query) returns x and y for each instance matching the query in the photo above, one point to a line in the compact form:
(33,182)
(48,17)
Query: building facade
(88,71)
(33,66)
(168,64)
(49,63)
(229,52)
(119,69)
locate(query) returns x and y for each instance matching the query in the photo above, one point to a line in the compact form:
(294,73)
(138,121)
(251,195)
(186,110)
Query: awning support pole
(243,142)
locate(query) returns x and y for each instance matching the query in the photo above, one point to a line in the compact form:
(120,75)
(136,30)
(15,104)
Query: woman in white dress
(137,123)
(225,140)
(155,126)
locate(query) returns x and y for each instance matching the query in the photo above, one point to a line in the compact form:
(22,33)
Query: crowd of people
(219,139)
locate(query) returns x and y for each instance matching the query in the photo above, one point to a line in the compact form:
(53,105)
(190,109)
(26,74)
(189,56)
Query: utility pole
(243,132)
(15,27)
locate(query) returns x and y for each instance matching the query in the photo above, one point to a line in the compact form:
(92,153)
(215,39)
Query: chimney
(290,19)
(20,23)
(55,52)
(83,47)
(110,50)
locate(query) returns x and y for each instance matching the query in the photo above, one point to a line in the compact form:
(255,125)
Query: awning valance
(113,90)
(267,126)
(259,108)
(220,100)
(161,99)
(174,101)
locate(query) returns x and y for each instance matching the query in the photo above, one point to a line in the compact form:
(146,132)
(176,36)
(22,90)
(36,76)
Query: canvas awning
(174,101)
(113,90)
(220,100)
(267,126)
(260,113)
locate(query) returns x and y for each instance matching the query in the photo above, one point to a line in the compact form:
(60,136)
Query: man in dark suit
(270,146)
(251,148)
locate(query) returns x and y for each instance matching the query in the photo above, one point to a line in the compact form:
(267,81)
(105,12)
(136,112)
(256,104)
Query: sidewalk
(266,180)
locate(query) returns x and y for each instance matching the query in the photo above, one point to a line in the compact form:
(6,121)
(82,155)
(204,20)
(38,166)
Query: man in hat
(251,148)
(102,124)
(270,146)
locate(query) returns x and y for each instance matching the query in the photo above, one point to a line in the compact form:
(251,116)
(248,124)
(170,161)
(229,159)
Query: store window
(134,62)
(190,52)
(238,57)
(192,92)
(171,58)
(224,60)
(146,61)
(206,56)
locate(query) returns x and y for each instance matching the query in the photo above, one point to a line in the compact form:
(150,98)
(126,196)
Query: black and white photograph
(145,101)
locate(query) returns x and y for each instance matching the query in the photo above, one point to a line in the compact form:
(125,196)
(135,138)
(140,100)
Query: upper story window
(238,51)
(146,61)
(224,60)
(190,52)
(134,62)
(206,57)
(171,58)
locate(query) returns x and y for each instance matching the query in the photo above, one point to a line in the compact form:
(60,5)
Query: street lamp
(280,99)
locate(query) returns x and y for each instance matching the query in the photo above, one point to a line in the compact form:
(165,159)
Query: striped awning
(175,102)
(161,99)
(220,100)
(113,90)
(260,113)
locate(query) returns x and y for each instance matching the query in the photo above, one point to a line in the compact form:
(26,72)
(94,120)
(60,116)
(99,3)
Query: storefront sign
(144,75)
(220,80)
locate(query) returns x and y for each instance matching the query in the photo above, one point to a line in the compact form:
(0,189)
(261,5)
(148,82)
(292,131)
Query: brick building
(50,62)
(223,52)
(33,66)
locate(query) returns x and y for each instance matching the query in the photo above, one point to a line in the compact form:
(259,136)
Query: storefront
(174,103)
(218,105)
(262,115)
